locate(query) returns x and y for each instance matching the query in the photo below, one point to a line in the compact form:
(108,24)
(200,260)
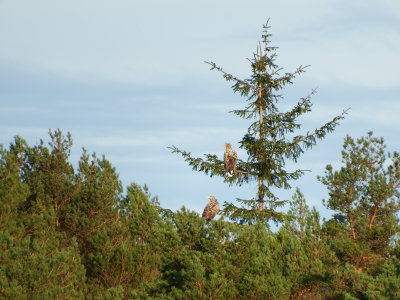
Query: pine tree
(258,257)
(140,218)
(364,193)
(93,218)
(197,264)
(38,261)
(308,260)
(270,140)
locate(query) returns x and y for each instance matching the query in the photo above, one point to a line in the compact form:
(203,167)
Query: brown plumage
(211,209)
(230,159)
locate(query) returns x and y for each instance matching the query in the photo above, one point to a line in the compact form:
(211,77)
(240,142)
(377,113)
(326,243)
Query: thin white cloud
(384,113)
(120,141)
(31,133)
(368,58)
(133,42)
(161,137)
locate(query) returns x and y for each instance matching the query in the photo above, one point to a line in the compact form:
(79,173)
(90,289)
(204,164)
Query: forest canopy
(73,234)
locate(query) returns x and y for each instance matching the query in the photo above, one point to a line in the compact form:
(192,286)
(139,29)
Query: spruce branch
(287,78)
(240,85)
(212,166)
(251,216)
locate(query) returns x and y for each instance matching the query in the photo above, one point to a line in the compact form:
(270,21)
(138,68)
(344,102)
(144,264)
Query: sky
(127,79)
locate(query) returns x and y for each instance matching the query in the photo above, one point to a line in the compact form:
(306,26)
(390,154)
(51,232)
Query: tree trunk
(260,194)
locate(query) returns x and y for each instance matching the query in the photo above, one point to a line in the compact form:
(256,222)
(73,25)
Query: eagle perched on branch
(211,209)
(230,159)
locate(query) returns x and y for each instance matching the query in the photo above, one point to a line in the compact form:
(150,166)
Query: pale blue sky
(128,78)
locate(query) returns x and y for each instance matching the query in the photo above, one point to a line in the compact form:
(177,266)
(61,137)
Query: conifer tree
(271,139)
(37,260)
(139,215)
(365,195)
(309,262)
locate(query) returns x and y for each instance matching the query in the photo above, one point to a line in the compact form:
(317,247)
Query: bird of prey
(211,209)
(230,159)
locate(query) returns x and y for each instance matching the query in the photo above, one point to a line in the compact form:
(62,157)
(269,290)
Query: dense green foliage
(73,234)
(270,141)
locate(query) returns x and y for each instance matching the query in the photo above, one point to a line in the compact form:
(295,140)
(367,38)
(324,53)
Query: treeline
(73,234)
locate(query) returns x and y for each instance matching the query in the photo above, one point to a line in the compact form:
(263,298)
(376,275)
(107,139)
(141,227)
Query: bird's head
(211,197)
(227,145)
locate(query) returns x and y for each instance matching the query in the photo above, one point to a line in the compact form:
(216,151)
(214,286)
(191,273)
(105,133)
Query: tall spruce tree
(270,140)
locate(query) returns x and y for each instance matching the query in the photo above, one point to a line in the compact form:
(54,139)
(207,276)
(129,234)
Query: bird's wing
(234,154)
(206,211)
